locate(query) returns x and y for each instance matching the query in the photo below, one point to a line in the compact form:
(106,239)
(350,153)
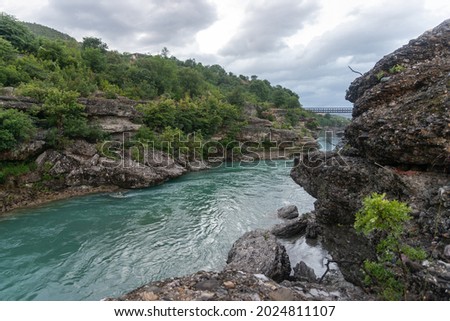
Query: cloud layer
(133,24)
(319,72)
(326,39)
(266,24)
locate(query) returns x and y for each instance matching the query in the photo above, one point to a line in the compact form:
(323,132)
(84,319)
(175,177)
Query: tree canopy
(185,95)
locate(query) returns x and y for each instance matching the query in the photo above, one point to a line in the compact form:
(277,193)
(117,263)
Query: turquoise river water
(104,245)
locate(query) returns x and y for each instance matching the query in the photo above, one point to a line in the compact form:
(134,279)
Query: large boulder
(303,272)
(259,252)
(402,107)
(292,228)
(288,212)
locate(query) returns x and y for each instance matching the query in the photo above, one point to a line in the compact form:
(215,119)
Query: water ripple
(95,246)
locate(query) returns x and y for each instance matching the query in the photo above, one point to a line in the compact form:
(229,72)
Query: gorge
(396,144)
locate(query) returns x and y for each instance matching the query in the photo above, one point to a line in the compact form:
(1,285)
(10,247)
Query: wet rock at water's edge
(303,272)
(260,252)
(291,228)
(288,212)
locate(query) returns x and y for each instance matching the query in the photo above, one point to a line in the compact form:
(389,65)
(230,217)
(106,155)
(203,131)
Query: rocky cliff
(83,167)
(401,109)
(398,144)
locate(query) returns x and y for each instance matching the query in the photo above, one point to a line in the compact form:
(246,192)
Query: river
(104,245)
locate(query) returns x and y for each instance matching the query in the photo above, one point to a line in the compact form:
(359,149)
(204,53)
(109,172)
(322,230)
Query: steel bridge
(330,110)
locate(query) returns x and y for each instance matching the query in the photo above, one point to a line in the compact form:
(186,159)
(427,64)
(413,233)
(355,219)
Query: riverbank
(44,197)
(103,245)
(83,169)
(36,172)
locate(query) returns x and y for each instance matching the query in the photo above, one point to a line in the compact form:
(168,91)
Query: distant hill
(47,32)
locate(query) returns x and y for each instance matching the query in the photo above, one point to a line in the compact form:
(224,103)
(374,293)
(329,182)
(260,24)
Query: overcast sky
(305,45)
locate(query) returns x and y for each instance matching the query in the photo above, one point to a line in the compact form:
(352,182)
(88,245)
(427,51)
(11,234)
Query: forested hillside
(47,32)
(181,96)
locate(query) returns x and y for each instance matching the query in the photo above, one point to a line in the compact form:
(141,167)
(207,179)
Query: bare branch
(355,71)
(337,262)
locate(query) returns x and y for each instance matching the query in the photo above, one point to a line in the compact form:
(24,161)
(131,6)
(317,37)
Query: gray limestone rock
(259,252)
(303,272)
(295,227)
(288,212)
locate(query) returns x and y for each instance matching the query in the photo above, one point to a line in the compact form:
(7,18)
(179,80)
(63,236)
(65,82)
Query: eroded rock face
(24,151)
(114,116)
(398,144)
(259,252)
(120,107)
(340,183)
(401,109)
(83,165)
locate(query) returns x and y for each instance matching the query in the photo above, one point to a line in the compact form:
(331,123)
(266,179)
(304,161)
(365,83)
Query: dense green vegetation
(15,127)
(185,95)
(14,169)
(44,31)
(385,221)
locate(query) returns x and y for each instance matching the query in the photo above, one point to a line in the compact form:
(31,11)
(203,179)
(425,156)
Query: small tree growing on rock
(385,221)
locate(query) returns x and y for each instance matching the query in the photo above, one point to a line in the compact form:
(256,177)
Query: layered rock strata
(398,144)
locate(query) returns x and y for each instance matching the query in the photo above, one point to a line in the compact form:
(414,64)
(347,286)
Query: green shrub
(7,51)
(145,135)
(7,140)
(55,140)
(15,127)
(78,127)
(396,69)
(36,89)
(312,125)
(385,220)
(111,91)
(8,169)
(66,114)
(59,104)
(380,214)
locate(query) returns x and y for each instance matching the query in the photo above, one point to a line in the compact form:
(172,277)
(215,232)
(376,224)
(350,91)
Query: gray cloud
(373,33)
(137,22)
(266,24)
(319,72)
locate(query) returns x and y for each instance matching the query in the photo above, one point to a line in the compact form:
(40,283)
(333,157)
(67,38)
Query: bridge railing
(330,110)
